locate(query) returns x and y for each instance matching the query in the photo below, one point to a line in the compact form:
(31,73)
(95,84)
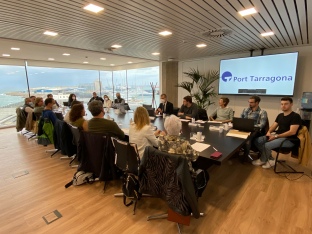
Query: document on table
(200,121)
(185,120)
(152,118)
(159,115)
(213,121)
(239,134)
(125,130)
(193,124)
(200,146)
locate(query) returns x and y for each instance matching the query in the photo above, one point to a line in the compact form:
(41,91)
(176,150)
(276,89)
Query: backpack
(45,132)
(81,177)
(130,188)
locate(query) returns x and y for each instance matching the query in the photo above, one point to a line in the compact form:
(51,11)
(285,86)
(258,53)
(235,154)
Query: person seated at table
(77,112)
(223,113)
(33,99)
(100,125)
(107,102)
(170,140)
(140,131)
(189,109)
(66,117)
(27,107)
(47,112)
(55,105)
(165,107)
(95,97)
(38,106)
(118,101)
(72,97)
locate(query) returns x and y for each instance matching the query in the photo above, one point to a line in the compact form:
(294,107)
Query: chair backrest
(76,134)
(127,107)
(20,119)
(126,156)
(202,114)
(175,111)
(65,104)
(148,107)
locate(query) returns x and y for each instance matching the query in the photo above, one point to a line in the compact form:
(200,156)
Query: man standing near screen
(260,117)
(288,124)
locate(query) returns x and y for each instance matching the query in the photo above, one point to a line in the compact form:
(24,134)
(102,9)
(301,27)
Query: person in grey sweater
(223,113)
(189,109)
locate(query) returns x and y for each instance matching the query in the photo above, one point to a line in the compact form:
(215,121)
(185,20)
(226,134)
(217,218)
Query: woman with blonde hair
(140,131)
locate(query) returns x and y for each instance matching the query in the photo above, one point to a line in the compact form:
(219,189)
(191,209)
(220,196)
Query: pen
(214,148)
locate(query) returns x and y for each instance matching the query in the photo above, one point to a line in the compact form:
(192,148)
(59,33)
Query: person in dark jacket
(96,97)
(165,107)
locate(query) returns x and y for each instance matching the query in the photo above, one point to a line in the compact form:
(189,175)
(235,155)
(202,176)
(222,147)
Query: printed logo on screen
(226,76)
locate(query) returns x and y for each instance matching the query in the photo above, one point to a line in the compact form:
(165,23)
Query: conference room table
(227,145)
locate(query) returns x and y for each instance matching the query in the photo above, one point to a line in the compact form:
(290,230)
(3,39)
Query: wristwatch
(276,135)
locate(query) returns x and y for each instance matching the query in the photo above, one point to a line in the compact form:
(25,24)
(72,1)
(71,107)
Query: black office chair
(202,114)
(76,136)
(286,150)
(175,111)
(127,160)
(65,104)
(147,107)
(127,107)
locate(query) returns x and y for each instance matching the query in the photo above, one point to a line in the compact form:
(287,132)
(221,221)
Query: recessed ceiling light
(116,46)
(93,8)
(165,33)
(155,53)
(248,11)
(51,59)
(49,33)
(6,55)
(112,64)
(267,34)
(103,58)
(66,54)
(85,62)
(15,48)
(201,45)
(129,62)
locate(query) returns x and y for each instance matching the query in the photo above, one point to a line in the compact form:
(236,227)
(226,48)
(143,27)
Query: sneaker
(257,162)
(269,164)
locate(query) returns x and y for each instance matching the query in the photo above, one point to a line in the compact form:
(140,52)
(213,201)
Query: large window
(13,90)
(61,82)
(134,86)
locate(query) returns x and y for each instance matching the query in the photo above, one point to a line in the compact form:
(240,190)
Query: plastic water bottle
(131,121)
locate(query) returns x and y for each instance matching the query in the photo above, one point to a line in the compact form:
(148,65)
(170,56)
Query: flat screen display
(273,75)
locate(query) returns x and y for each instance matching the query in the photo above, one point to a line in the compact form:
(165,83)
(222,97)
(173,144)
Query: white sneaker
(269,164)
(257,162)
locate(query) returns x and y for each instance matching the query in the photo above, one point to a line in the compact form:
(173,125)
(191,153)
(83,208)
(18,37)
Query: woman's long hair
(141,117)
(76,112)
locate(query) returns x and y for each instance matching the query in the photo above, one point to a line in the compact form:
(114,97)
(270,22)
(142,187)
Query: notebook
(245,125)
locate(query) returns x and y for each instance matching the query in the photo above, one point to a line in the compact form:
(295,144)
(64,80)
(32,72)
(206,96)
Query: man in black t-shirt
(95,97)
(286,125)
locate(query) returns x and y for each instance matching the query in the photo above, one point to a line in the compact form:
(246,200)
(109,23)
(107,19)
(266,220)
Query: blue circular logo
(226,76)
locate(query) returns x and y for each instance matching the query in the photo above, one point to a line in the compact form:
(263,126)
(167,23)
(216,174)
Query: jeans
(250,140)
(265,146)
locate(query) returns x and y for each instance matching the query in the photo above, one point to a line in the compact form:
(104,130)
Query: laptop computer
(245,125)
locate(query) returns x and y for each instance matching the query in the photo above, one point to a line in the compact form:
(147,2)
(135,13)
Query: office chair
(286,150)
(128,161)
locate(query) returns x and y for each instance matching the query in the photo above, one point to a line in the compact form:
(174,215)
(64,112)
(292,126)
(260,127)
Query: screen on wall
(260,75)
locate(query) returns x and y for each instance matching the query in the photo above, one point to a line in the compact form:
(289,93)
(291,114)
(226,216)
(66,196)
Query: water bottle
(131,121)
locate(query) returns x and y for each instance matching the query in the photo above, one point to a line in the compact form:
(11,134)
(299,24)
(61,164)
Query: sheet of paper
(125,130)
(185,120)
(192,124)
(158,115)
(239,134)
(152,118)
(200,146)
(210,121)
(200,121)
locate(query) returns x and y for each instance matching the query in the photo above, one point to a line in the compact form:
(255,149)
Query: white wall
(270,104)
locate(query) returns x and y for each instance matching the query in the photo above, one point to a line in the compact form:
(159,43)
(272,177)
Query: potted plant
(201,87)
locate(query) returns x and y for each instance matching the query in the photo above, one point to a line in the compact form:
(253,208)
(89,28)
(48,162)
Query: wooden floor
(240,198)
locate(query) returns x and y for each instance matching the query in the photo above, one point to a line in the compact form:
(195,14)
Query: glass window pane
(13,90)
(120,84)
(107,84)
(139,86)
(63,81)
